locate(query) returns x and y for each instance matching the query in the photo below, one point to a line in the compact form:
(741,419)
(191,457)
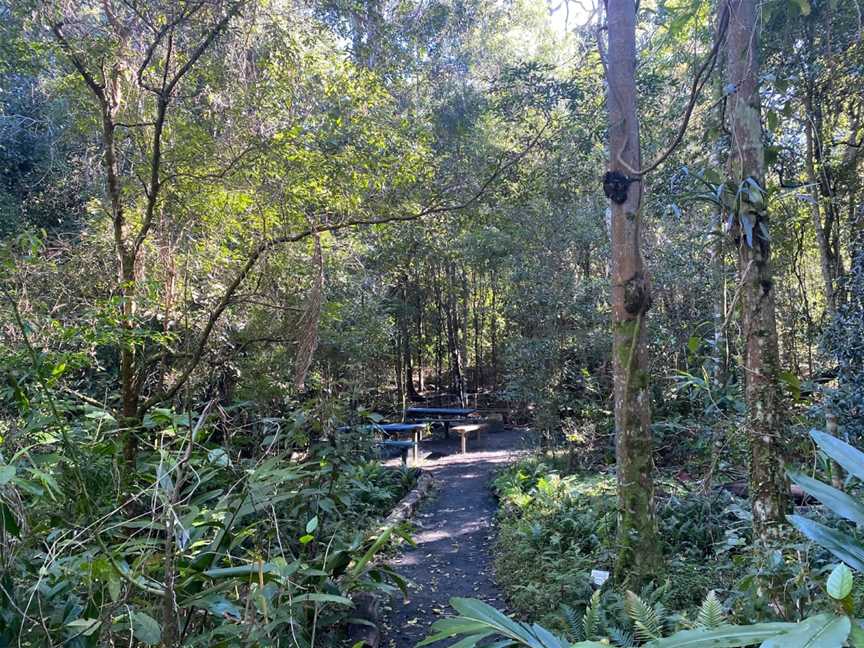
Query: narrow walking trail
(454,536)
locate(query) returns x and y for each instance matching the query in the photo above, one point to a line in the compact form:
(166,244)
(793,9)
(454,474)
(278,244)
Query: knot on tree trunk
(637,294)
(615,186)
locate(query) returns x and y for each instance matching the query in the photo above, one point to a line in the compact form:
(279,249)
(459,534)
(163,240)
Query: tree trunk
(816,215)
(453,343)
(768,485)
(405,337)
(638,545)
(721,343)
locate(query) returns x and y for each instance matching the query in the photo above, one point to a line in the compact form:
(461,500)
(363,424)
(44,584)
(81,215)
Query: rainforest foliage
(234,234)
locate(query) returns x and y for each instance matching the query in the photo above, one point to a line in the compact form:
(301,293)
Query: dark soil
(454,534)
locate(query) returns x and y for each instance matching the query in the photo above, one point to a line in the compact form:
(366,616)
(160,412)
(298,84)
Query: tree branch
(699,81)
(97,88)
(264,247)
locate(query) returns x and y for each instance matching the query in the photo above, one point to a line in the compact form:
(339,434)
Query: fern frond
(621,638)
(591,618)
(647,624)
(711,613)
(573,623)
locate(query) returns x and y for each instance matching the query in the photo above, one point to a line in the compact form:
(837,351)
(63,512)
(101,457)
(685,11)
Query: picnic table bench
(466,428)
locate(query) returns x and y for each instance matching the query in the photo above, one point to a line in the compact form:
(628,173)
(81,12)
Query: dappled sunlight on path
(454,537)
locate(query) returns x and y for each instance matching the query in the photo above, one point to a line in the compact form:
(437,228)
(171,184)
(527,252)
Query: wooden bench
(464,430)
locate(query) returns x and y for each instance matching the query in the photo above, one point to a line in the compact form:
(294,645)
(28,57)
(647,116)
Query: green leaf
(306,539)
(240,570)
(219,457)
(856,635)
(146,629)
(792,383)
(693,344)
(839,583)
(841,545)
(844,454)
(821,631)
(7,472)
(836,500)
(725,636)
(312,524)
(480,611)
(317,597)
(84,627)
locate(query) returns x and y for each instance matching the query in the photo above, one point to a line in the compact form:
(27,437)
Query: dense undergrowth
(557,526)
(205,543)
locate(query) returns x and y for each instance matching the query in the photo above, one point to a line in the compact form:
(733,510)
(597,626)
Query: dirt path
(454,537)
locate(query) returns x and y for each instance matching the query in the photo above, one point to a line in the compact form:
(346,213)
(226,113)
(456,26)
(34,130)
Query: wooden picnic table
(447,412)
(446,416)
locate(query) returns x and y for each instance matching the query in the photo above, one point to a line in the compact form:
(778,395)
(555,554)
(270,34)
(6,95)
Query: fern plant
(477,622)
(711,614)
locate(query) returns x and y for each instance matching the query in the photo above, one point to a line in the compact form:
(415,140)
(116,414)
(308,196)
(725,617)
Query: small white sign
(599,577)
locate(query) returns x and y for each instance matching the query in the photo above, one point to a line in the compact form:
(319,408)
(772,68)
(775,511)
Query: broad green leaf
(821,631)
(693,344)
(240,570)
(836,500)
(219,457)
(84,627)
(841,545)
(146,629)
(7,472)
(856,635)
(725,636)
(839,583)
(306,539)
(317,597)
(450,627)
(792,383)
(472,641)
(844,454)
(312,524)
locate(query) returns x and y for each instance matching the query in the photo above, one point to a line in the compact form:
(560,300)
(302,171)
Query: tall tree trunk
(768,486)
(721,343)
(825,267)
(638,544)
(453,343)
(493,334)
(405,337)
(439,342)
(816,216)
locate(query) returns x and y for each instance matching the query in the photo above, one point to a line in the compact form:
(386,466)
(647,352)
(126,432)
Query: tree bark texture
(638,545)
(768,485)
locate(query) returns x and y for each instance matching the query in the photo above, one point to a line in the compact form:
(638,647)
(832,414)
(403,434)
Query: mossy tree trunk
(638,545)
(769,488)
